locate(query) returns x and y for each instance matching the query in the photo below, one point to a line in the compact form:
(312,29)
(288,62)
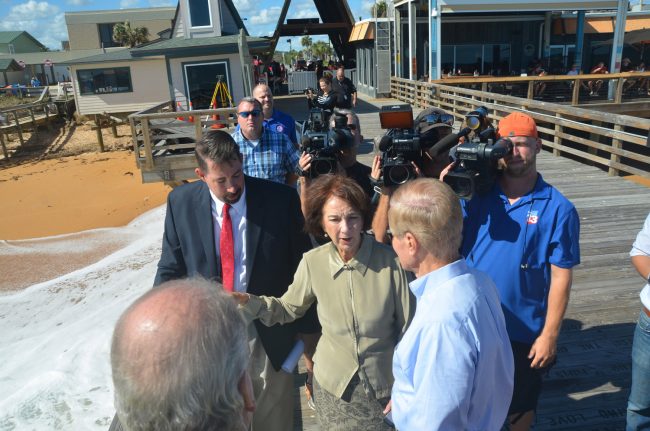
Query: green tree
(322,50)
(130,36)
(378,10)
(306,43)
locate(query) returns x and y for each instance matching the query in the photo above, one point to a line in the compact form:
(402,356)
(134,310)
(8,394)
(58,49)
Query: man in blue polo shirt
(524,234)
(274,119)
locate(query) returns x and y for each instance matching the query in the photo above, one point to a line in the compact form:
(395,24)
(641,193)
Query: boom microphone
(448,142)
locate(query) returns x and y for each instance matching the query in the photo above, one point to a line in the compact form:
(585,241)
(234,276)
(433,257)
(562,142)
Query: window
(199,13)
(103,81)
(106,35)
(492,59)
(12,50)
(201,80)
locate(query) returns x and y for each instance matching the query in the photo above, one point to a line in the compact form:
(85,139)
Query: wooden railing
(619,143)
(27,115)
(574,89)
(164,140)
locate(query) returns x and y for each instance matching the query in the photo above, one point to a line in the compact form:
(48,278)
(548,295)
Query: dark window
(103,81)
(199,13)
(106,35)
(201,81)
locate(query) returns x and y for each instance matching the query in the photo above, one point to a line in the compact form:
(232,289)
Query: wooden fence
(619,143)
(28,115)
(163,140)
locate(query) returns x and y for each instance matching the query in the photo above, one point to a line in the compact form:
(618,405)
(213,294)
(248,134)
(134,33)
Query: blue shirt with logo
(516,246)
(282,123)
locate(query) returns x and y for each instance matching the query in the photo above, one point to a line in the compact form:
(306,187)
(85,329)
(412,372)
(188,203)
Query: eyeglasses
(255,113)
(436,118)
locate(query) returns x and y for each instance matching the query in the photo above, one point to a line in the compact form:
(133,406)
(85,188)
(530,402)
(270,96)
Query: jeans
(638,406)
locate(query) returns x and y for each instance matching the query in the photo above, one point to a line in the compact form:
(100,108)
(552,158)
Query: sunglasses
(255,113)
(436,118)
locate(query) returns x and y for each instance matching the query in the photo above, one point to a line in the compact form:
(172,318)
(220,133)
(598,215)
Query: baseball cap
(517,124)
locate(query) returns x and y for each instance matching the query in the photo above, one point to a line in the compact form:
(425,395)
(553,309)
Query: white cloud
(42,20)
(128,4)
(266,16)
(162,3)
(305,9)
(244,6)
(79,2)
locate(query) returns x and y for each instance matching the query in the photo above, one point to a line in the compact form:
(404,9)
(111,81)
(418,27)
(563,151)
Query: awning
(520,6)
(602,24)
(364,30)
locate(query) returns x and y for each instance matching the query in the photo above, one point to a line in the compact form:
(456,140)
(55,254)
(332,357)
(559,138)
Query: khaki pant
(273,390)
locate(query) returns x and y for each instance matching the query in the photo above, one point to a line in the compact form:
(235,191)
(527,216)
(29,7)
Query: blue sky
(45,19)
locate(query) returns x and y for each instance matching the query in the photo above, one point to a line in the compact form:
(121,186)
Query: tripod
(221,96)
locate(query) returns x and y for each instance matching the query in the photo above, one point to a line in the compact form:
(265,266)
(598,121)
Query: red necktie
(227,251)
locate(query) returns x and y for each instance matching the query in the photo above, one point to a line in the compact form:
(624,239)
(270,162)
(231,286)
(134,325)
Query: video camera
(476,169)
(323,143)
(403,144)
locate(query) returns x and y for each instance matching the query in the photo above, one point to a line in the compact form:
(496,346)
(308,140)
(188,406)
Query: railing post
(618,97)
(557,141)
(146,141)
(134,138)
(198,128)
(575,97)
(531,86)
(615,158)
(98,131)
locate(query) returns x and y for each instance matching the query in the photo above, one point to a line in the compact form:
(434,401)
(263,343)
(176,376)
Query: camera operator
(524,218)
(430,129)
(346,155)
(327,98)
(478,121)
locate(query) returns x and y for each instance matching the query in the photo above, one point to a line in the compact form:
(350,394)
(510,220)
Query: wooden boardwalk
(588,388)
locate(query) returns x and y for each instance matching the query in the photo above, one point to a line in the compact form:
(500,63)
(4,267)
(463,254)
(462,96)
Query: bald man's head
(180,349)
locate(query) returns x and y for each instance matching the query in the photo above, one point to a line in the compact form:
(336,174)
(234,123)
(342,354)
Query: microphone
(384,143)
(304,141)
(448,142)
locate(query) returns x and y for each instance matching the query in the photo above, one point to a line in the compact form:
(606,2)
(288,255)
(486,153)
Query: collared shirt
(272,157)
(282,123)
(641,247)
(516,246)
(364,307)
(238,217)
(453,368)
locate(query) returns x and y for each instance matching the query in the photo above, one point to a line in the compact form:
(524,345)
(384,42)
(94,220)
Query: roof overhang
(464,6)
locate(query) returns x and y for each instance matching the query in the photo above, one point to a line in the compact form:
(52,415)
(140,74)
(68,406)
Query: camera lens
(461,185)
(322,167)
(399,174)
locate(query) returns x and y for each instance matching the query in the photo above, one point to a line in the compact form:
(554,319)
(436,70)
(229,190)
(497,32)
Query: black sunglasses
(254,113)
(439,118)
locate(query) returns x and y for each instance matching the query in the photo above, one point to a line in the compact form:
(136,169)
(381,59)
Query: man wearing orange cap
(524,234)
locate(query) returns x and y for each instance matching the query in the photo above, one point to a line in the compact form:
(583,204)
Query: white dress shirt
(238,217)
(641,247)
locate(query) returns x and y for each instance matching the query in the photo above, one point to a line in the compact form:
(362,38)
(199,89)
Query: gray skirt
(354,411)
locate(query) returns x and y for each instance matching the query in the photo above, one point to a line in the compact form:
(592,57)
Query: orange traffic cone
(179,109)
(215,117)
(191,117)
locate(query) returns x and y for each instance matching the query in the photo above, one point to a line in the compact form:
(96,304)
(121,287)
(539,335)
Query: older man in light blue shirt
(453,368)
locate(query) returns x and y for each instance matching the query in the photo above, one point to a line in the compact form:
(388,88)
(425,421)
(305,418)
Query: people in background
(595,84)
